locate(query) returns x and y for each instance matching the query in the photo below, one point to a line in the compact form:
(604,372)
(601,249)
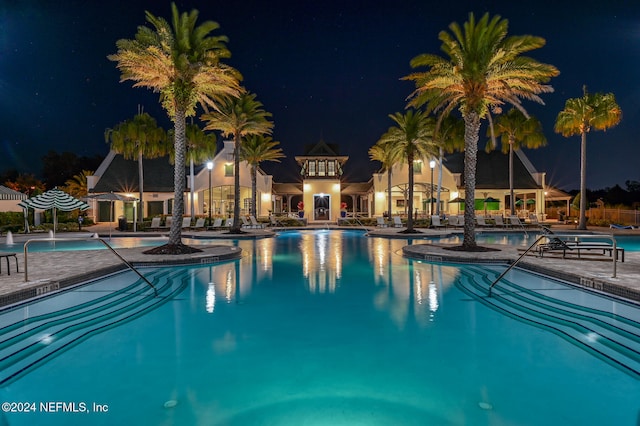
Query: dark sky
(324,69)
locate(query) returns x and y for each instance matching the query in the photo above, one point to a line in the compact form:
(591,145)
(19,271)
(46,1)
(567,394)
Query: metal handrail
(614,254)
(129,265)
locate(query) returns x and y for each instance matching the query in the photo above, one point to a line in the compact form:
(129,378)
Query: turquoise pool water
(315,328)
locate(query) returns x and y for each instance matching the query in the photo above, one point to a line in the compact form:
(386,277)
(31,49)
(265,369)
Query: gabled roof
(492,170)
(322,149)
(356,188)
(121,175)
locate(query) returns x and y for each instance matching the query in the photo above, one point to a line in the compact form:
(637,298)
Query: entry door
(321,207)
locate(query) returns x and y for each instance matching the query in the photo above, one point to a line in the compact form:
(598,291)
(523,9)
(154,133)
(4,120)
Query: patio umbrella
(110,196)
(489,200)
(54,199)
(457,200)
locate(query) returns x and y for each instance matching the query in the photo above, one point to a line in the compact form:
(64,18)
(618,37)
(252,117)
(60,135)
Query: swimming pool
(325,327)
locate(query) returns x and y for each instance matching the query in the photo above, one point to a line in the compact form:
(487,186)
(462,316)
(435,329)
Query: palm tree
(182,63)
(135,139)
(385,153)
(412,139)
(484,70)
(449,138)
(238,117)
(254,150)
(77,185)
(581,115)
(516,131)
(200,147)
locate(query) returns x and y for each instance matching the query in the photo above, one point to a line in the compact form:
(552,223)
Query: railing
(614,252)
(129,265)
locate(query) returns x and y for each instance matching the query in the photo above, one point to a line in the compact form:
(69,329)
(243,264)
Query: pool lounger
(557,245)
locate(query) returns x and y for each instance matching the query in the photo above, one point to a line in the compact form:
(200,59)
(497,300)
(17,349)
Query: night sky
(325,69)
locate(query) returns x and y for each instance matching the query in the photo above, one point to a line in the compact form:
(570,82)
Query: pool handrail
(129,265)
(614,254)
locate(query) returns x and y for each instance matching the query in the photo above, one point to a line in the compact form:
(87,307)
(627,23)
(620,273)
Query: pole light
(209,167)
(432,165)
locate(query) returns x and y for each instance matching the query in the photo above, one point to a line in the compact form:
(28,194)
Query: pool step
(613,337)
(27,343)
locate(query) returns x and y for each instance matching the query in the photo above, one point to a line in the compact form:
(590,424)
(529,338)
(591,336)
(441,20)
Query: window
(228,170)
(321,168)
(417,167)
(312,168)
(331,168)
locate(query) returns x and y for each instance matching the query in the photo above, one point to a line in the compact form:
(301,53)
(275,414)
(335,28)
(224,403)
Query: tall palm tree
(136,139)
(596,111)
(254,150)
(412,139)
(239,117)
(385,153)
(182,62)
(449,138)
(200,147)
(516,131)
(484,70)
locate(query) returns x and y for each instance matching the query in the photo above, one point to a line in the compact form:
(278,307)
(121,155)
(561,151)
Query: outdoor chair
(480,221)
(255,223)
(397,222)
(435,222)
(186,222)
(217,223)
(228,223)
(199,224)
(155,223)
(381,223)
(499,221)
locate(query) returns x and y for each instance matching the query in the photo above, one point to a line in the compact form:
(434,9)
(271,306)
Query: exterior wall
(223,159)
(400,175)
(329,187)
(10,206)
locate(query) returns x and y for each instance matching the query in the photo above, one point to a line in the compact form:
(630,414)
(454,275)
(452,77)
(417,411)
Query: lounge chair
(217,223)
(274,221)
(186,222)
(155,223)
(499,221)
(381,223)
(397,222)
(480,221)
(245,223)
(228,223)
(555,244)
(199,224)
(255,223)
(435,222)
(167,222)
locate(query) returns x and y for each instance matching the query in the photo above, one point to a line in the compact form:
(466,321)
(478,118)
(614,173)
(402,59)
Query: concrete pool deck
(50,271)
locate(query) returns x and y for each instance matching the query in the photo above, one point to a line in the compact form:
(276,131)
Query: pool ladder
(129,265)
(546,234)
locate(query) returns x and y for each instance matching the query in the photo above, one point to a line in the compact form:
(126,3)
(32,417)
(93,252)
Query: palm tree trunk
(511,195)
(191,185)
(175,234)
(582,224)
(254,190)
(471,132)
(389,192)
(141,188)
(410,201)
(439,181)
(235,229)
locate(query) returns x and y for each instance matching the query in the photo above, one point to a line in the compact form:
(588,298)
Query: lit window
(312,168)
(321,168)
(331,168)
(417,167)
(228,169)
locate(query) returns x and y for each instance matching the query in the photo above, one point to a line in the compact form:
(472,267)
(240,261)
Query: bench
(7,256)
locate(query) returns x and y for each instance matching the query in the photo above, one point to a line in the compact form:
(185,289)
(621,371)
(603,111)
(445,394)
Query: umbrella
(489,200)
(110,196)
(457,200)
(54,199)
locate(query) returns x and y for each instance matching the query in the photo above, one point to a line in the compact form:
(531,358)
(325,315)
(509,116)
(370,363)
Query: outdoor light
(209,167)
